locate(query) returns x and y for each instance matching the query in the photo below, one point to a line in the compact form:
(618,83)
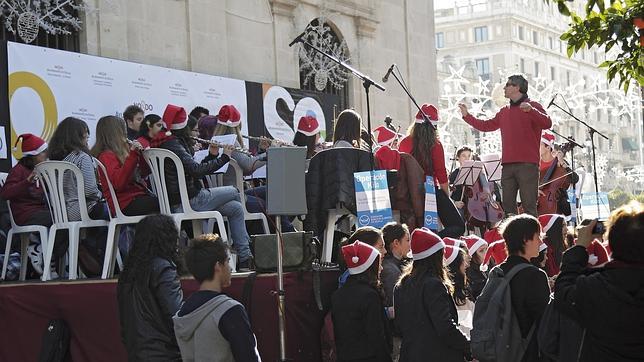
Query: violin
(553,183)
(482,210)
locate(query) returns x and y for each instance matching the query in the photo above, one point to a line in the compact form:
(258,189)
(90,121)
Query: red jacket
(438,159)
(122,178)
(26,197)
(520,131)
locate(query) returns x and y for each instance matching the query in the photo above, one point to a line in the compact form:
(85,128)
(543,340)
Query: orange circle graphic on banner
(19,80)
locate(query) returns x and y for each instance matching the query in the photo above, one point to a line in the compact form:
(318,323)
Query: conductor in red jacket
(521,123)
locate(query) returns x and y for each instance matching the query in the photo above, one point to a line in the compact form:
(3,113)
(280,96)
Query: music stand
(469,173)
(493,167)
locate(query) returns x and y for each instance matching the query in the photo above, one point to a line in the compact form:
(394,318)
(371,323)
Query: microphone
(386,77)
(297,39)
(552,101)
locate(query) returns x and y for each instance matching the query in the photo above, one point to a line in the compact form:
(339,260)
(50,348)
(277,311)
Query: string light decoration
(53,16)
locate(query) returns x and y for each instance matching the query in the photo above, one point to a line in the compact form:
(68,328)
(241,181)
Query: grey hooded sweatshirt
(214,327)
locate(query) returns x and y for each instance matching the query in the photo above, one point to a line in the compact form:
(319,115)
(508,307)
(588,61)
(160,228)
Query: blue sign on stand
(431,210)
(372,198)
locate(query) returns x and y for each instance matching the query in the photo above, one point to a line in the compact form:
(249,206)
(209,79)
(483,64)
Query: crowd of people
(516,284)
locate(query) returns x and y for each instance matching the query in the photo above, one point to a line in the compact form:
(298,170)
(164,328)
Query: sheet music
(468,173)
(259,173)
(493,167)
(229,139)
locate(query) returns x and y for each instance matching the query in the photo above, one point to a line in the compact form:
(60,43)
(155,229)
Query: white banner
(47,85)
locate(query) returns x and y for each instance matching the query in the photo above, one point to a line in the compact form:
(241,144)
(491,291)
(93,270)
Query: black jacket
(530,294)
(329,181)
(146,308)
(427,320)
(476,279)
(609,304)
(194,171)
(359,323)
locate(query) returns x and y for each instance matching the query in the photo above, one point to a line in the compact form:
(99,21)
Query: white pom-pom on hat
(355,259)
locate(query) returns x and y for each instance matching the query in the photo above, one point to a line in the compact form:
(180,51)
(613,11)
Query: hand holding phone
(586,232)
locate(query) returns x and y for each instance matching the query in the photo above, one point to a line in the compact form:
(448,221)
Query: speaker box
(285,178)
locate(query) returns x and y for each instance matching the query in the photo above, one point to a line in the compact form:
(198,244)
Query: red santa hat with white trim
(548,220)
(384,136)
(597,255)
(496,250)
(359,256)
(454,242)
(431,111)
(31,145)
(474,243)
(229,116)
(174,117)
(308,126)
(425,243)
(450,253)
(548,139)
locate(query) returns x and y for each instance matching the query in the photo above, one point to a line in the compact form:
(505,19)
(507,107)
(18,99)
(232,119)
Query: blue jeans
(256,203)
(225,199)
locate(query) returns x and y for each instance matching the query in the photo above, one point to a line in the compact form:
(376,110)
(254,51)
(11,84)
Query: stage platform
(90,309)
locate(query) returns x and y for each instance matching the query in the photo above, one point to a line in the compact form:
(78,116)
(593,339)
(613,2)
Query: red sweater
(520,131)
(26,197)
(122,177)
(438,159)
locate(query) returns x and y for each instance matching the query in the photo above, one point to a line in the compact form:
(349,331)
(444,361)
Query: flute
(215,143)
(272,141)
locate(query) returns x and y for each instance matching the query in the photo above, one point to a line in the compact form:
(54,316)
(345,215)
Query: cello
(482,210)
(553,183)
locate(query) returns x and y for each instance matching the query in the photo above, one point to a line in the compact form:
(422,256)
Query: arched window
(319,73)
(70,42)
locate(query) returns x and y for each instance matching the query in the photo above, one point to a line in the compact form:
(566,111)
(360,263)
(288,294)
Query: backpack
(560,338)
(55,342)
(496,335)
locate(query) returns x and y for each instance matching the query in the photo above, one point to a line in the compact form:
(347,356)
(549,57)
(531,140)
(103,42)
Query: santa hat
(175,117)
(542,247)
(387,158)
(424,243)
(450,253)
(474,243)
(384,136)
(32,145)
(359,256)
(548,220)
(430,111)
(308,125)
(597,254)
(454,242)
(492,235)
(229,116)
(548,139)
(497,251)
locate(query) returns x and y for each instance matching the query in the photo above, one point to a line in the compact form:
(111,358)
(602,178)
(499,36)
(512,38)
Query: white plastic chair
(156,157)
(329,231)
(111,249)
(239,184)
(51,174)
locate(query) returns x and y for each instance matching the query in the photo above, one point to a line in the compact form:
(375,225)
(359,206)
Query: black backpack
(55,342)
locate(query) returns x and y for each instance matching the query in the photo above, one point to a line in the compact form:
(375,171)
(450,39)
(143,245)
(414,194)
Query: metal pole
(281,305)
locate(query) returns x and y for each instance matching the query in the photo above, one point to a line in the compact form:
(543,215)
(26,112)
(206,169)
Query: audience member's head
(369,235)
(522,234)
(625,232)
(396,238)
(207,260)
(457,263)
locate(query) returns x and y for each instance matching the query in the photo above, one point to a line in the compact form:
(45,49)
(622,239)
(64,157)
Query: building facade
(485,40)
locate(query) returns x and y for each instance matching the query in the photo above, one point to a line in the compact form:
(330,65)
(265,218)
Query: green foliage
(611,27)
(617,197)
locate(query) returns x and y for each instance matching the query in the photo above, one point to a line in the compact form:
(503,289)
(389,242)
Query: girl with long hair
(348,128)
(457,261)
(359,322)
(555,228)
(149,292)
(27,197)
(121,162)
(224,199)
(425,312)
(423,144)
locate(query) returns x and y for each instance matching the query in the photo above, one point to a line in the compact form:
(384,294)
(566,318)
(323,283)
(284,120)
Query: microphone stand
(591,133)
(572,141)
(366,81)
(412,98)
